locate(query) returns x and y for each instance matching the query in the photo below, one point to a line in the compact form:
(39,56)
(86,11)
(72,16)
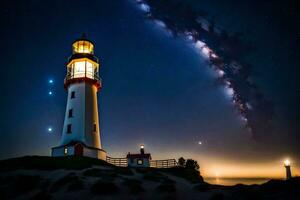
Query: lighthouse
(81,130)
(288,171)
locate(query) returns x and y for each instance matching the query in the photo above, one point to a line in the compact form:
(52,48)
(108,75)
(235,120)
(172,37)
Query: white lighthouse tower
(81,130)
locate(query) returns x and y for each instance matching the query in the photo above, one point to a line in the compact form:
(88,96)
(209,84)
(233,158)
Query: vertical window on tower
(72,95)
(69,128)
(95,127)
(70,114)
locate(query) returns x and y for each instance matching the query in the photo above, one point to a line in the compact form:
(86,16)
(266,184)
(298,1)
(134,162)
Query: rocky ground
(85,178)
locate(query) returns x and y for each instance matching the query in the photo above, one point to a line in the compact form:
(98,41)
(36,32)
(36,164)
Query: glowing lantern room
(83,65)
(83,68)
(83,46)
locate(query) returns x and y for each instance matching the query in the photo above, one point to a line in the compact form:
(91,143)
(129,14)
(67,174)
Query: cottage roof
(145,155)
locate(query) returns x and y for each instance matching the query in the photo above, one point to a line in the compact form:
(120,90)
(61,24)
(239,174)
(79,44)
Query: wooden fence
(168,163)
(120,162)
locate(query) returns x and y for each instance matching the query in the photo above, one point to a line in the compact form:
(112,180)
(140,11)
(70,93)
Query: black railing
(83,75)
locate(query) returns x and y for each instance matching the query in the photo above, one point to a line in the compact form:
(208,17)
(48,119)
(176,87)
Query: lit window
(139,161)
(79,69)
(89,70)
(66,151)
(69,128)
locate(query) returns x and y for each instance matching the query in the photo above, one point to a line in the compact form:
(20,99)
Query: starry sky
(157,90)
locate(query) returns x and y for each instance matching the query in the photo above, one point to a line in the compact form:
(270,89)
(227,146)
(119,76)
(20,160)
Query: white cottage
(139,160)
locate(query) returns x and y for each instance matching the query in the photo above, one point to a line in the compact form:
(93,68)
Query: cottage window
(140,161)
(66,151)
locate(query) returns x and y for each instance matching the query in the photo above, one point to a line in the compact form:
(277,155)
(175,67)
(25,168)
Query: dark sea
(234,181)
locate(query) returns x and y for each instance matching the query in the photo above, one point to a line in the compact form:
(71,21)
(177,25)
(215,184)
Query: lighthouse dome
(83,45)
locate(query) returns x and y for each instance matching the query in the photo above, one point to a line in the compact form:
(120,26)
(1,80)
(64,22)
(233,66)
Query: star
(50,93)
(50,129)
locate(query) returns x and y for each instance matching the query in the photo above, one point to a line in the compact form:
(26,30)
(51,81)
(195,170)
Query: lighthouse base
(78,149)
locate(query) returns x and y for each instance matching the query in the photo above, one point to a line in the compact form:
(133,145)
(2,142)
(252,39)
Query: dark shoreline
(41,177)
(228,181)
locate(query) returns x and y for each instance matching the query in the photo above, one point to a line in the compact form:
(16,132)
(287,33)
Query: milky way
(225,53)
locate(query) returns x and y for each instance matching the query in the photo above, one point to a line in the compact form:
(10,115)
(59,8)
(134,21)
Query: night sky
(157,89)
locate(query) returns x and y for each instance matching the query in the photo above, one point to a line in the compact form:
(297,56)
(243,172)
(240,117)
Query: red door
(78,150)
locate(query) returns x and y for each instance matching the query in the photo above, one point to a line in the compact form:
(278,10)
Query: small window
(69,128)
(70,114)
(95,127)
(66,151)
(139,161)
(72,95)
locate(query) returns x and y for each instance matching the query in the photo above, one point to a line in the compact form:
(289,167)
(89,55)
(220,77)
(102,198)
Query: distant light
(50,93)
(199,142)
(50,129)
(142,146)
(51,81)
(287,162)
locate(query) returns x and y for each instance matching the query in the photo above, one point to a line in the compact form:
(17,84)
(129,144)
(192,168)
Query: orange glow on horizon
(212,166)
(245,170)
